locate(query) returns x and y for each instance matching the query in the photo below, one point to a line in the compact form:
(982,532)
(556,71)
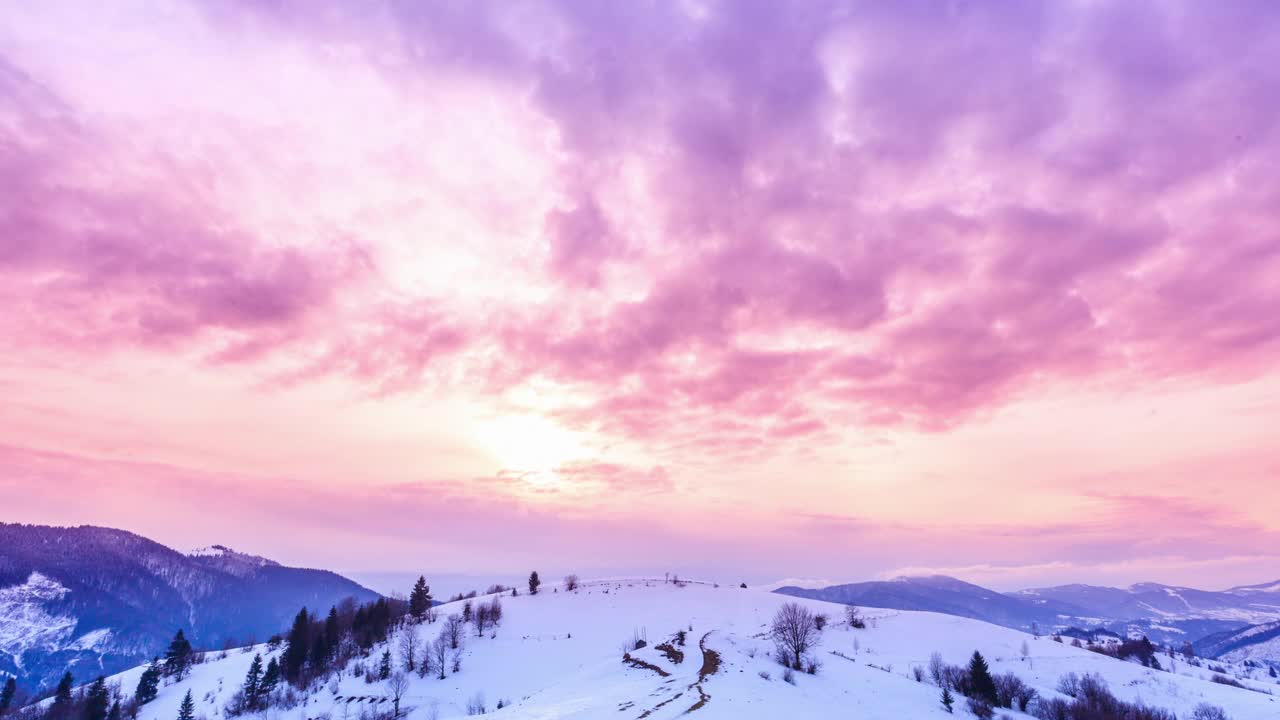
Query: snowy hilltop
(658,649)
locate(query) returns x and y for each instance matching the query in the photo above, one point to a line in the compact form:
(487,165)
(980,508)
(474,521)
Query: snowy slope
(558,655)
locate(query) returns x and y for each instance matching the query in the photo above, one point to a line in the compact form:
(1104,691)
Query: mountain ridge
(109,598)
(1167,614)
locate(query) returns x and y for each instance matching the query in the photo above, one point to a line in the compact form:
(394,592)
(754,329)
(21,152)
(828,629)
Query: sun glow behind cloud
(832,267)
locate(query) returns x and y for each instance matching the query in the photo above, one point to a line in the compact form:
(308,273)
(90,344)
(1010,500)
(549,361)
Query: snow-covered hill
(559,655)
(91,600)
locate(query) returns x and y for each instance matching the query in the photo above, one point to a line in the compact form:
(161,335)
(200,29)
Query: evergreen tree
(270,678)
(177,659)
(466,611)
(148,684)
(982,685)
(253,683)
(7,694)
(419,599)
(188,709)
(116,712)
(534,582)
(295,653)
(384,670)
(947,698)
(61,708)
(319,653)
(332,632)
(97,701)
(1272,671)
(62,695)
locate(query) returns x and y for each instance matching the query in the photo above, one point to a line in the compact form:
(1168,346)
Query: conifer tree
(97,700)
(270,678)
(177,659)
(332,632)
(116,712)
(419,599)
(980,680)
(295,653)
(384,670)
(148,684)
(7,694)
(948,699)
(534,582)
(188,709)
(319,653)
(253,683)
(61,708)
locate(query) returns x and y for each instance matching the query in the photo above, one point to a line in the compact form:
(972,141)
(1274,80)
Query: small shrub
(812,667)
(475,706)
(789,676)
(981,708)
(1224,680)
(1205,711)
(917,673)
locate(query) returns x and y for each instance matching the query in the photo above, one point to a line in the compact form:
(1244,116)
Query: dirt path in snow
(710,665)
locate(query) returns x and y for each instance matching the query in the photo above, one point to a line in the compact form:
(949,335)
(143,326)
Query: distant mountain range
(1224,621)
(96,600)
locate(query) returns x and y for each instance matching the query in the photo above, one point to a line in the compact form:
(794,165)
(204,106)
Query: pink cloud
(719,236)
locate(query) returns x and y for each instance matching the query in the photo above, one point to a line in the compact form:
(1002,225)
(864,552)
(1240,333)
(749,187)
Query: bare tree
(853,617)
(794,633)
(495,611)
(480,618)
(936,668)
(440,653)
(453,630)
(409,647)
(397,684)
(571,582)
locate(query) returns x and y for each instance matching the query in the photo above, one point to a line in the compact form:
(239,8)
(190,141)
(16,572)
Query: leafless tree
(853,617)
(397,684)
(409,647)
(570,582)
(440,653)
(794,633)
(936,668)
(453,630)
(480,618)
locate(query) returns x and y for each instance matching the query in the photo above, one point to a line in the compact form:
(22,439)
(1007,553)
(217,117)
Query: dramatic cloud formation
(849,269)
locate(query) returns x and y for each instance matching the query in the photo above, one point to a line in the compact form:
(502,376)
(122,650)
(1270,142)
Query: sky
(742,289)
